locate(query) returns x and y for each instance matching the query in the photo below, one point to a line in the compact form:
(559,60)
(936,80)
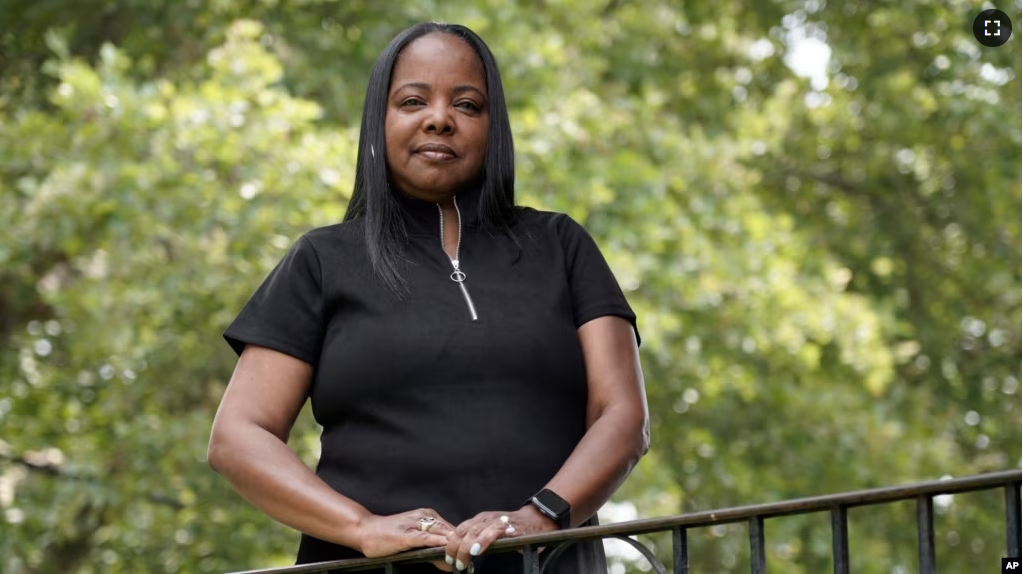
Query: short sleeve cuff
(595,312)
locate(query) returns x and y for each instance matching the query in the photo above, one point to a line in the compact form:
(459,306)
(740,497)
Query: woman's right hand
(386,535)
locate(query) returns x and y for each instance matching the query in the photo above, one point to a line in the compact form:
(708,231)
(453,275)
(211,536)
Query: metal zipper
(458,276)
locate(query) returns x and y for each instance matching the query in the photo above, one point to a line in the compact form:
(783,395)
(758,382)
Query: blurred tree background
(813,206)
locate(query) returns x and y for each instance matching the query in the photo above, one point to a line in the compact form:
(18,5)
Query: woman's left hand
(473,537)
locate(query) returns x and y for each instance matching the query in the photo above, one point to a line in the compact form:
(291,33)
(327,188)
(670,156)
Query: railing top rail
(693,520)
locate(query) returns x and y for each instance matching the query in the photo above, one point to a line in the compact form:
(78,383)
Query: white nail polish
(475,550)
(449,559)
(459,566)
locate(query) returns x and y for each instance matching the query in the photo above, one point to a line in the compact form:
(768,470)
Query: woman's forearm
(601,461)
(269,475)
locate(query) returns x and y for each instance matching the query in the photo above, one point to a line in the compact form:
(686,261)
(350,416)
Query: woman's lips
(436,151)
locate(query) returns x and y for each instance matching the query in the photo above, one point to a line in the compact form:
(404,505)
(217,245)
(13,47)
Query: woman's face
(437,118)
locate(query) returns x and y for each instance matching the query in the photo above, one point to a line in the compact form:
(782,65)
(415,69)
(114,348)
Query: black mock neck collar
(423,217)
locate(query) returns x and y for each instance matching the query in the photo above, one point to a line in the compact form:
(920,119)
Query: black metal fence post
(1012,519)
(530,560)
(840,539)
(925,533)
(680,550)
(757,556)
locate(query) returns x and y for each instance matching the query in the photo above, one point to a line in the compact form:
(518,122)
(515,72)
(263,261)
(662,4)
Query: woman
(473,364)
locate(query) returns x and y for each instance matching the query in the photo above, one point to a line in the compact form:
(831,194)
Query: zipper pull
(457,275)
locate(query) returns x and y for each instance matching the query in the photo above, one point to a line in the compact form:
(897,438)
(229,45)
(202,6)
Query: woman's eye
(470,106)
(411,102)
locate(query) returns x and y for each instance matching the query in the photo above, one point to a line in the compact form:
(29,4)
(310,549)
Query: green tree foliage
(827,269)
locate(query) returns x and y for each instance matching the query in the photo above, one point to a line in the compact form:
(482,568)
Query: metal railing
(837,504)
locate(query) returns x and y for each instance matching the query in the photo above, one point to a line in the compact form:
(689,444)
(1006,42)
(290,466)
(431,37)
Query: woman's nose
(438,120)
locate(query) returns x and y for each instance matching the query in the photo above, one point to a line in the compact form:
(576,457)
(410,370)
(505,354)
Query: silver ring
(425,524)
(505,521)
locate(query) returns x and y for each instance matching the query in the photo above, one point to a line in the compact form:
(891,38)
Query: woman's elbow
(639,435)
(642,441)
(644,446)
(213,457)
(217,450)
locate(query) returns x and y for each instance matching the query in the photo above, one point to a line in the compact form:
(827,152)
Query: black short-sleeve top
(421,404)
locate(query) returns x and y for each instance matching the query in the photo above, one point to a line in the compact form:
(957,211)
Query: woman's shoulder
(330,244)
(554,222)
(334,236)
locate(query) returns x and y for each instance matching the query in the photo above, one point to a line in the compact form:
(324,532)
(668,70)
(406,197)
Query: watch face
(552,501)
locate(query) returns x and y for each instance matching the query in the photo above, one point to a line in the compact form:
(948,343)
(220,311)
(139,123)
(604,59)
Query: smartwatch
(552,506)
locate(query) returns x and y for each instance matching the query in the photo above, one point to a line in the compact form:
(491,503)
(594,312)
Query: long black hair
(374,201)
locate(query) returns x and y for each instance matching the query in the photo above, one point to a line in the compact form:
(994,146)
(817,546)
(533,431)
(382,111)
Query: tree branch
(56,471)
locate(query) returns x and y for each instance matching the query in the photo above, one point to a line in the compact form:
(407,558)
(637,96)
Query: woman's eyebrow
(427,86)
(420,85)
(468,88)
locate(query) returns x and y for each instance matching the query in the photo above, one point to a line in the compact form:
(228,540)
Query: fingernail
(475,550)
(449,559)
(459,565)
(472,568)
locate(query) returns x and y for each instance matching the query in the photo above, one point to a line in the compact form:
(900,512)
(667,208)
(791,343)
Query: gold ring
(425,524)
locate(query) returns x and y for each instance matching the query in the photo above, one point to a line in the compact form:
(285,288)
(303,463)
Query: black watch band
(552,506)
